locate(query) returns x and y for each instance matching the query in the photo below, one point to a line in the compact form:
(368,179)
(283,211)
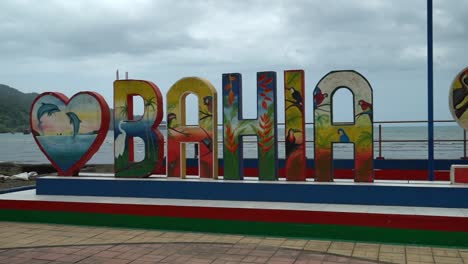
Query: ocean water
(22,148)
(58,148)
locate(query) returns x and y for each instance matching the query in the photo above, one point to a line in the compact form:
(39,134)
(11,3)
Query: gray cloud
(77,45)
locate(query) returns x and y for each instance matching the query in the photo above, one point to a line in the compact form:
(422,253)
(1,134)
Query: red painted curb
(418,222)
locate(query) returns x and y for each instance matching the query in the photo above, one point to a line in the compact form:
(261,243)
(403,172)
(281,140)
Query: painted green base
(332,232)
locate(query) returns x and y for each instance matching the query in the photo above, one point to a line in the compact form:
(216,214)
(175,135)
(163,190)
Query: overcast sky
(71,46)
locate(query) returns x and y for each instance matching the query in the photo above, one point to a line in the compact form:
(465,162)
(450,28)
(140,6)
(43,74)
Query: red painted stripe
(439,223)
(387,174)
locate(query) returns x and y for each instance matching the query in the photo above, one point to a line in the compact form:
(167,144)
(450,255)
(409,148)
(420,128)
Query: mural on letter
(360,133)
(146,128)
(205,134)
(69,131)
(295,165)
(458,100)
(264,127)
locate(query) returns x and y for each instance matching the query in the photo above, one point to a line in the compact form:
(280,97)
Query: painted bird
(366,109)
(291,144)
(171,117)
(343,136)
(319,97)
(296,95)
(459,95)
(365,105)
(208,101)
(170,124)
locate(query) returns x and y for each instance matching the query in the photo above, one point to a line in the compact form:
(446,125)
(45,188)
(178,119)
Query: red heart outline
(105,119)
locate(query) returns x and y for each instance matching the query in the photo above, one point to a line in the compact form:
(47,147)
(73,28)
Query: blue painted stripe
(349,164)
(17,189)
(363,194)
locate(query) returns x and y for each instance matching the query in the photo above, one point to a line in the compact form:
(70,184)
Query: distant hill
(14,109)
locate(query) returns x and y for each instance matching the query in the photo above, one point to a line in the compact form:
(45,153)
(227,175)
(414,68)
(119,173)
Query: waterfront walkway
(46,243)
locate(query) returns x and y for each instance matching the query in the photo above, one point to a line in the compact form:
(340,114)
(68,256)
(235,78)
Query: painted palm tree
(149,103)
(123,111)
(322,119)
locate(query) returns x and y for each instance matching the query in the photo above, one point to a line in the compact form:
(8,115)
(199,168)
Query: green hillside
(14,109)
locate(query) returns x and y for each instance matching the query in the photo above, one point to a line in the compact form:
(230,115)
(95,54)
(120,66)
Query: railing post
(380,143)
(464,145)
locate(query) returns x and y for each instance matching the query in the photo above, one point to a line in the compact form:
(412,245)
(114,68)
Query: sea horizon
(22,148)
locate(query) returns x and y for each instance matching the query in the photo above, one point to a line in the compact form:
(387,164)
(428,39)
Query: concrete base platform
(395,224)
(379,193)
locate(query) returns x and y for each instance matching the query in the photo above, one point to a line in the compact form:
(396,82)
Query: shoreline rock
(12,168)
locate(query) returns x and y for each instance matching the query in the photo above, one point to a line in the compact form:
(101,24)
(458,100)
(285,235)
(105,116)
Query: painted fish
(75,121)
(48,109)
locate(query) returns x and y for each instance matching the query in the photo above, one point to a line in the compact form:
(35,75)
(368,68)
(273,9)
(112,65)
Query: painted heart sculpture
(69,131)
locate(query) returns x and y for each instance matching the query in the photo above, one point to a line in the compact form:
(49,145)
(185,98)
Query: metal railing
(380,140)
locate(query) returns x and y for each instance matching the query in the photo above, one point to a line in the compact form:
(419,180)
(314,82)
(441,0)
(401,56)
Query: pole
(380,143)
(430,93)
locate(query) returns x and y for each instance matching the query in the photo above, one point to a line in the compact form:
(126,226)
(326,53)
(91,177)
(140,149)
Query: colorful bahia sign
(70,131)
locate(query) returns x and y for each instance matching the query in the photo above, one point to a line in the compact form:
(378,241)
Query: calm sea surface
(22,148)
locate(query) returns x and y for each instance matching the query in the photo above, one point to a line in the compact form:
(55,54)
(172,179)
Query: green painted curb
(309,231)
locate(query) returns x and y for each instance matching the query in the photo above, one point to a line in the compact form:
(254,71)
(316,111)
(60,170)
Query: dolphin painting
(75,121)
(48,109)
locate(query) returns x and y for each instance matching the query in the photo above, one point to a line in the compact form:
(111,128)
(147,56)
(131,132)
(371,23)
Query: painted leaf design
(231,98)
(230,141)
(262,77)
(265,134)
(268,81)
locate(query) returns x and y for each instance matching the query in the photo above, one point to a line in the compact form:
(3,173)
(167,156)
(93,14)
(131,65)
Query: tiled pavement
(44,243)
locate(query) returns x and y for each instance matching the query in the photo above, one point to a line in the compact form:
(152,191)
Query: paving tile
(392,249)
(311,256)
(463,253)
(50,256)
(392,257)
(366,246)
(263,252)
(420,258)
(342,245)
(120,245)
(360,261)
(366,254)
(274,242)
(342,252)
(250,240)
(294,243)
(317,245)
(418,250)
(282,260)
(445,252)
(448,260)
(71,258)
(336,259)
(255,259)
